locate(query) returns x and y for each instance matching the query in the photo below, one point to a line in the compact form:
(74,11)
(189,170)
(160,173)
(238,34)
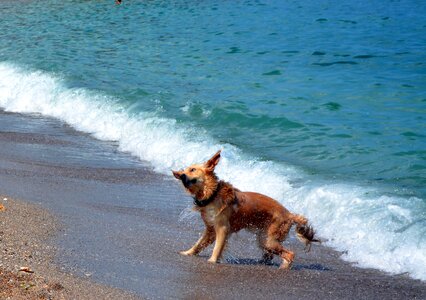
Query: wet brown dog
(225,209)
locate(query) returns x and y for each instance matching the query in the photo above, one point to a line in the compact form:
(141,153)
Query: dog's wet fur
(225,209)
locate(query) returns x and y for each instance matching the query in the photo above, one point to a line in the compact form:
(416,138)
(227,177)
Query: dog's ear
(212,162)
(176,174)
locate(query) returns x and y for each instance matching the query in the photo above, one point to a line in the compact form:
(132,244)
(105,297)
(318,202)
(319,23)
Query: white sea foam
(373,229)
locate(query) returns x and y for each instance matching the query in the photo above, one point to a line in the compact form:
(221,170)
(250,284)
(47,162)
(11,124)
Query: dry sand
(26,232)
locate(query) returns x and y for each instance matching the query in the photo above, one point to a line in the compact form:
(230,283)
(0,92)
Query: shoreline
(123,224)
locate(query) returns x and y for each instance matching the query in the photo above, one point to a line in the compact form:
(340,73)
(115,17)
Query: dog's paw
(186,253)
(285,265)
(212,261)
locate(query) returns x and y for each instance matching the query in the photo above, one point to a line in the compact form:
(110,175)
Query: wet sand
(122,225)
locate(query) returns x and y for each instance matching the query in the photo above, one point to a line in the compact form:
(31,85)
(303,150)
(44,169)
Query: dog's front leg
(205,240)
(222,232)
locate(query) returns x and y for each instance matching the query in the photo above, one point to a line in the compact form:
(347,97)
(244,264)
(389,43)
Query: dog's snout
(187,181)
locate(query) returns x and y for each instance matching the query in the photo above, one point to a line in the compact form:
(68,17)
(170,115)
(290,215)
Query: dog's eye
(192,170)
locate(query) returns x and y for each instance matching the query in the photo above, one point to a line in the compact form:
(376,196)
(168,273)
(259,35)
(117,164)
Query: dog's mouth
(187,182)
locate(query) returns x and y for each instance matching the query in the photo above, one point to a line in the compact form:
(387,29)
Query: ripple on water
(411,134)
(319,53)
(274,72)
(290,52)
(340,62)
(233,50)
(332,106)
(365,56)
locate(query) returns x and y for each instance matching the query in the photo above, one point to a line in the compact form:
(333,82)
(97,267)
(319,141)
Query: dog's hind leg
(205,240)
(276,234)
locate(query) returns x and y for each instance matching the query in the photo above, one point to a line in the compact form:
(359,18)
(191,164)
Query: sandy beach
(95,223)
(27,267)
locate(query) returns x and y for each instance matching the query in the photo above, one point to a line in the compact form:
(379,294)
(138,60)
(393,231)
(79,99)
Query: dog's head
(199,177)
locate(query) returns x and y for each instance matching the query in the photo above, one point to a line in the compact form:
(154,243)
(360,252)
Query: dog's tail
(305,233)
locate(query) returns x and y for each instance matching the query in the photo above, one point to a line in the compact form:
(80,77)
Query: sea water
(320,104)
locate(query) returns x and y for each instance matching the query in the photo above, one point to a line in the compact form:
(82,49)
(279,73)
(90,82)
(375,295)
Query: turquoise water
(330,96)
(337,89)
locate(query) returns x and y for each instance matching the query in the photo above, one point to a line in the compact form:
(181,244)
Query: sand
(117,226)
(27,270)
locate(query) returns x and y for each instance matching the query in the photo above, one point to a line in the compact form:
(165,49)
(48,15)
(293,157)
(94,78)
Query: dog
(225,210)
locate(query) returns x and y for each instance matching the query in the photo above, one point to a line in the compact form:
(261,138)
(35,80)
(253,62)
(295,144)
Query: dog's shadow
(296,267)
(315,267)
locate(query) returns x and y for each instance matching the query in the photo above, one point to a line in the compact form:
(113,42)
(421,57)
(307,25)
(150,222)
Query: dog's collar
(204,203)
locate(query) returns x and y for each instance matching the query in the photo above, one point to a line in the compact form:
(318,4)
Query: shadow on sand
(296,267)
